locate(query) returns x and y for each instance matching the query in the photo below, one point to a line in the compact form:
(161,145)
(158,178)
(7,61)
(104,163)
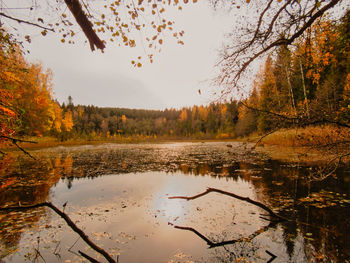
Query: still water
(118,195)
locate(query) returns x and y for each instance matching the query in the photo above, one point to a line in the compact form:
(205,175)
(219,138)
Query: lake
(118,195)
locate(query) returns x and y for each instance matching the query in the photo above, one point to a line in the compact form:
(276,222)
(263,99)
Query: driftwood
(70,223)
(246,199)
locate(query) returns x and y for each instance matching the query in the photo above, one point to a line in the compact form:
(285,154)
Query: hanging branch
(69,222)
(85,24)
(246,199)
(15,141)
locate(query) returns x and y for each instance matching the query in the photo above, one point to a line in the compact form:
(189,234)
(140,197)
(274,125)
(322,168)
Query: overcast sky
(109,79)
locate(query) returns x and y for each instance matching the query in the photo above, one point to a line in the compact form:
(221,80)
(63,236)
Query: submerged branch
(69,222)
(328,170)
(246,199)
(86,256)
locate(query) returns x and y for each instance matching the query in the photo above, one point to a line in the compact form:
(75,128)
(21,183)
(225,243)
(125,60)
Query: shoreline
(280,152)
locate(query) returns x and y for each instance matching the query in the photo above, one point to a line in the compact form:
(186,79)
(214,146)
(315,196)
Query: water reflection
(118,194)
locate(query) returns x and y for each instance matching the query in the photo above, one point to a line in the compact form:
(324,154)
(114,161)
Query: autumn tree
(26,104)
(8,78)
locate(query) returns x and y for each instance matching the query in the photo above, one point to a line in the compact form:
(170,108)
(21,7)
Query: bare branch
(275,18)
(300,120)
(26,22)
(265,135)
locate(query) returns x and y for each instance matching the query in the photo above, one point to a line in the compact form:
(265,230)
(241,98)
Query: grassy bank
(305,137)
(47,142)
(311,144)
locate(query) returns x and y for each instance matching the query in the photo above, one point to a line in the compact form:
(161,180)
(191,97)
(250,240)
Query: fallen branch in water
(223,243)
(246,199)
(70,223)
(86,256)
(15,141)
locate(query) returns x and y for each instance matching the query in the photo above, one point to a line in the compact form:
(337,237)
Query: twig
(70,223)
(26,22)
(272,256)
(57,250)
(246,199)
(265,135)
(69,249)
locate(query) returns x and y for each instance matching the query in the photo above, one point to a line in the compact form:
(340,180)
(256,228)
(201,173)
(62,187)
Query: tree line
(212,121)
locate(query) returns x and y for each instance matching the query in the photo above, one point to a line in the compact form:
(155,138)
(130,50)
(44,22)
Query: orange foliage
(320,49)
(26,104)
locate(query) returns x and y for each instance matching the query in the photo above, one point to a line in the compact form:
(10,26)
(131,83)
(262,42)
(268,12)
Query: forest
(305,84)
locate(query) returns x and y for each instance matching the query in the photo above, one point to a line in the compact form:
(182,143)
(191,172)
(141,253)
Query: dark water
(118,194)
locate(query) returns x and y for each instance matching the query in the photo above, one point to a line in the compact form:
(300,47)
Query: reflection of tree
(322,229)
(26,187)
